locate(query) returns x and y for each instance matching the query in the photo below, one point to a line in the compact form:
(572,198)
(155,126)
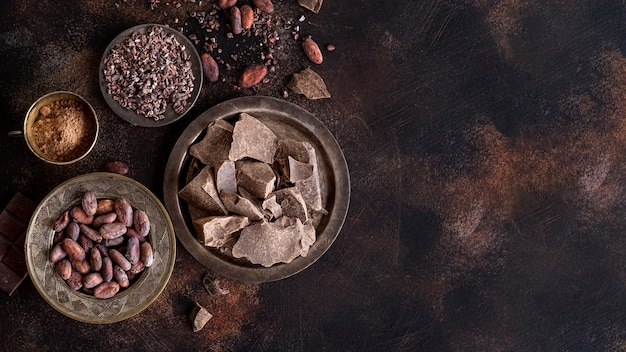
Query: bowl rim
(168,259)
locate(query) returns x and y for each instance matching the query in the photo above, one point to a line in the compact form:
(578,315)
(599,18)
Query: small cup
(34,112)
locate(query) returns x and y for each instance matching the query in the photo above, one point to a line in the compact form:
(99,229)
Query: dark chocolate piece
(10,226)
(9,279)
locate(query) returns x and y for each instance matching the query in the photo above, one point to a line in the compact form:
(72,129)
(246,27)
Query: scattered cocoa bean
(252,75)
(312,50)
(235,20)
(247,16)
(74,251)
(264,5)
(146,256)
(61,222)
(106,290)
(89,203)
(124,212)
(209,67)
(330,47)
(105,206)
(64,268)
(118,167)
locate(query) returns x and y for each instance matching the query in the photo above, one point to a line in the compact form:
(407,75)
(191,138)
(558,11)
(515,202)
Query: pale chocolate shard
(237,204)
(311,5)
(310,84)
(269,243)
(271,205)
(226,177)
(292,158)
(299,171)
(292,203)
(201,193)
(252,139)
(199,316)
(213,148)
(258,178)
(215,231)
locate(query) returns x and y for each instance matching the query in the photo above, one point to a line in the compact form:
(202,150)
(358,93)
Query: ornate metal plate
(78,305)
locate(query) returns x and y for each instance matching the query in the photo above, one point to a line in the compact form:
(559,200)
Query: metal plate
(81,306)
(170,115)
(286,120)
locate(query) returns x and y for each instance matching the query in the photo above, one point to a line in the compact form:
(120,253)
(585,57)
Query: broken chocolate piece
(310,84)
(312,5)
(269,243)
(213,148)
(292,203)
(199,317)
(299,171)
(237,204)
(256,177)
(201,193)
(252,139)
(213,286)
(226,177)
(13,222)
(272,206)
(215,231)
(302,153)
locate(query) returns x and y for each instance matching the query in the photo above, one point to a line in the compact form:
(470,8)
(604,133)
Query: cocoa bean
(120,276)
(247,16)
(95,259)
(132,233)
(112,230)
(63,220)
(226,4)
(104,251)
(107,269)
(106,290)
(118,167)
(136,268)
(252,75)
(264,5)
(105,206)
(146,256)
(124,212)
(58,237)
(64,268)
(74,251)
(72,230)
(82,266)
(57,253)
(235,20)
(84,242)
(312,50)
(141,222)
(79,215)
(100,220)
(132,250)
(75,281)
(92,280)
(90,233)
(209,67)
(119,259)
(114,242)
(89,203)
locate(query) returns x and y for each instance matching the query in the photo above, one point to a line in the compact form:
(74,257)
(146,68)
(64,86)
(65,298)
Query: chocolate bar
(14,220)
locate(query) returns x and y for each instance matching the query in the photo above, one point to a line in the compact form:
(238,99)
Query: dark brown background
(486,146)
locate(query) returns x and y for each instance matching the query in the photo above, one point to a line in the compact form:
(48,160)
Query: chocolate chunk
(199,317)
(226,177)
(13,220)
(4,247)
(312,5)
(215,231)
(213,286)
(201,193)
(247,207)
(256,177)
(10,226)
(16,261)
(252,139)
(310,84)
(21,207)
(292,203)
(293,158)
(9,279)
(213,148)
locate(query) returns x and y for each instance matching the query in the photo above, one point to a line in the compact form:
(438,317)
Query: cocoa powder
(63,130)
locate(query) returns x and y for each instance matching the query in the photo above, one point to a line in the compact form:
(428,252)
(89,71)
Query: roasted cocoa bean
(85,242)
(107,269)
(107,218)
(75,281)
(95,259)
(247,16)
(118,167)
(89,203)
(264,5)
(106,290)
(72,230)
(82,266)
(74,251)
(312,50)
(63,220)
(252,75)
(132,250)
(136,268)
(209,67)
(124,212)
(58,237)
(114,242)
(105,206)
(119,259)
(104,251)
(92,280)
(112,230)
(141,222)
(120,276)
(64,268)
(235,20)
(57,253)
(90,233)
(226,4)
(132,233)
(146,254)
(79,215)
